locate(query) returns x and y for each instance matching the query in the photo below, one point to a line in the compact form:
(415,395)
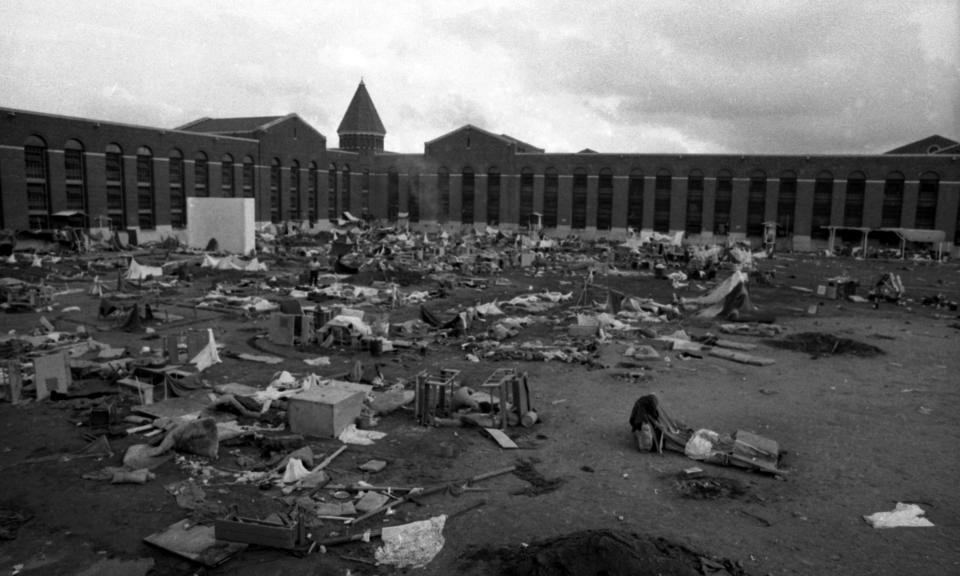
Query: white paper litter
(295,471)
(351,435)
(411,545)
(903,516)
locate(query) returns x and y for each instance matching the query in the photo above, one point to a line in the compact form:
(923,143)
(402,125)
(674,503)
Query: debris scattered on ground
(822,344)
(539,484)
(613,552)
(411,545)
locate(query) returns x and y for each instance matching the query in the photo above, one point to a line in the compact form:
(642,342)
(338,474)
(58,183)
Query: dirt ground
(861,434)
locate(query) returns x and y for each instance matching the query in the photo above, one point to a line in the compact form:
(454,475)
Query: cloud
(794,76)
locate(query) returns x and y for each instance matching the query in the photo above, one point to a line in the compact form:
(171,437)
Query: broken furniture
(434,395)
(290,329)
(22,295)
(272,532)
(149,385)
(195,542)
(510,392)
(136,388)
(324,411)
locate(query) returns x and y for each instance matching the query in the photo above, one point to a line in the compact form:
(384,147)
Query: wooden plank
(14,381)
(500,438)
(735,345)
(741,357)
(255,532)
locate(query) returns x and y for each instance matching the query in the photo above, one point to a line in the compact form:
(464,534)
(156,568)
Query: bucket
(529,419)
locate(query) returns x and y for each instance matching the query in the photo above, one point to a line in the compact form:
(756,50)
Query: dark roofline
(122,124)
(504,139)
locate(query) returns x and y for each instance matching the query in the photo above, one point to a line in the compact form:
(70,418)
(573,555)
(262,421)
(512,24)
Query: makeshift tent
(232,263)
(139,272)
(935,238)
(208,356)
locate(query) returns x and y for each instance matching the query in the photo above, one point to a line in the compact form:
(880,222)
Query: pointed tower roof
(361,116)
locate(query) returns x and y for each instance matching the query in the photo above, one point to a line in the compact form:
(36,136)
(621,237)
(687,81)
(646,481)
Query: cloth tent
(138,271)
(208,356)
(232,262)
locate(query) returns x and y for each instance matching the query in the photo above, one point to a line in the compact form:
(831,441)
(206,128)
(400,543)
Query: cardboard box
(51,372)
(324,412)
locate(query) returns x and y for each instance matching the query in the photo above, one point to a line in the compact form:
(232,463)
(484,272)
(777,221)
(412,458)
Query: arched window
(578,211)
(75,177)
(38,186)
(345,200)
(443,190)
(694,218)
(228,187)
(313,190)
(249,177)
(365,191)
(605,199)
(493,196)
(393,194)
(526,196)
(413,197)
(822,205)
(332,213)
(467,193)
(853,204)
(178,201)
(146,196)
(551,197)
(662,191)
(756,203)
(275,169)
(635,200)
(116,193)
(201,175)
(294,202)
(927,201)
(892,200)
(786,202)
(723,200)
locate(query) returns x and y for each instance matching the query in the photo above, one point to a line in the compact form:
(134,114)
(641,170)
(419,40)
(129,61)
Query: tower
(361,129)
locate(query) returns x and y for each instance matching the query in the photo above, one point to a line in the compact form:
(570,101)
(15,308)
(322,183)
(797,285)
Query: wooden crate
(260,532)
(323,412)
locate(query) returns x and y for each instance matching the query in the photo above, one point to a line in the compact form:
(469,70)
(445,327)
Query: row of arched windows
(757,188)
(77,185)
(831,203)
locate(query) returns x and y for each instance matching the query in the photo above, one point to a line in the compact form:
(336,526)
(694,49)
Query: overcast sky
(754,76)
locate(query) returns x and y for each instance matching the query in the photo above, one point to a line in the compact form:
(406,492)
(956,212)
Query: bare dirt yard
(860,432)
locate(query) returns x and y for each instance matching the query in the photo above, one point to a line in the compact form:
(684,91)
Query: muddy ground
(861,434)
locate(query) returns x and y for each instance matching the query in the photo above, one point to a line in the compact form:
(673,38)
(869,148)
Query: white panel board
(229,220)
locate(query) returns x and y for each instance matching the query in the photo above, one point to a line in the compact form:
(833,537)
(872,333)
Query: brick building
(137,177)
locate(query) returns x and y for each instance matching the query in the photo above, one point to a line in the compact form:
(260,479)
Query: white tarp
(232,263)
(903,516)
(139,272)
(208,356)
